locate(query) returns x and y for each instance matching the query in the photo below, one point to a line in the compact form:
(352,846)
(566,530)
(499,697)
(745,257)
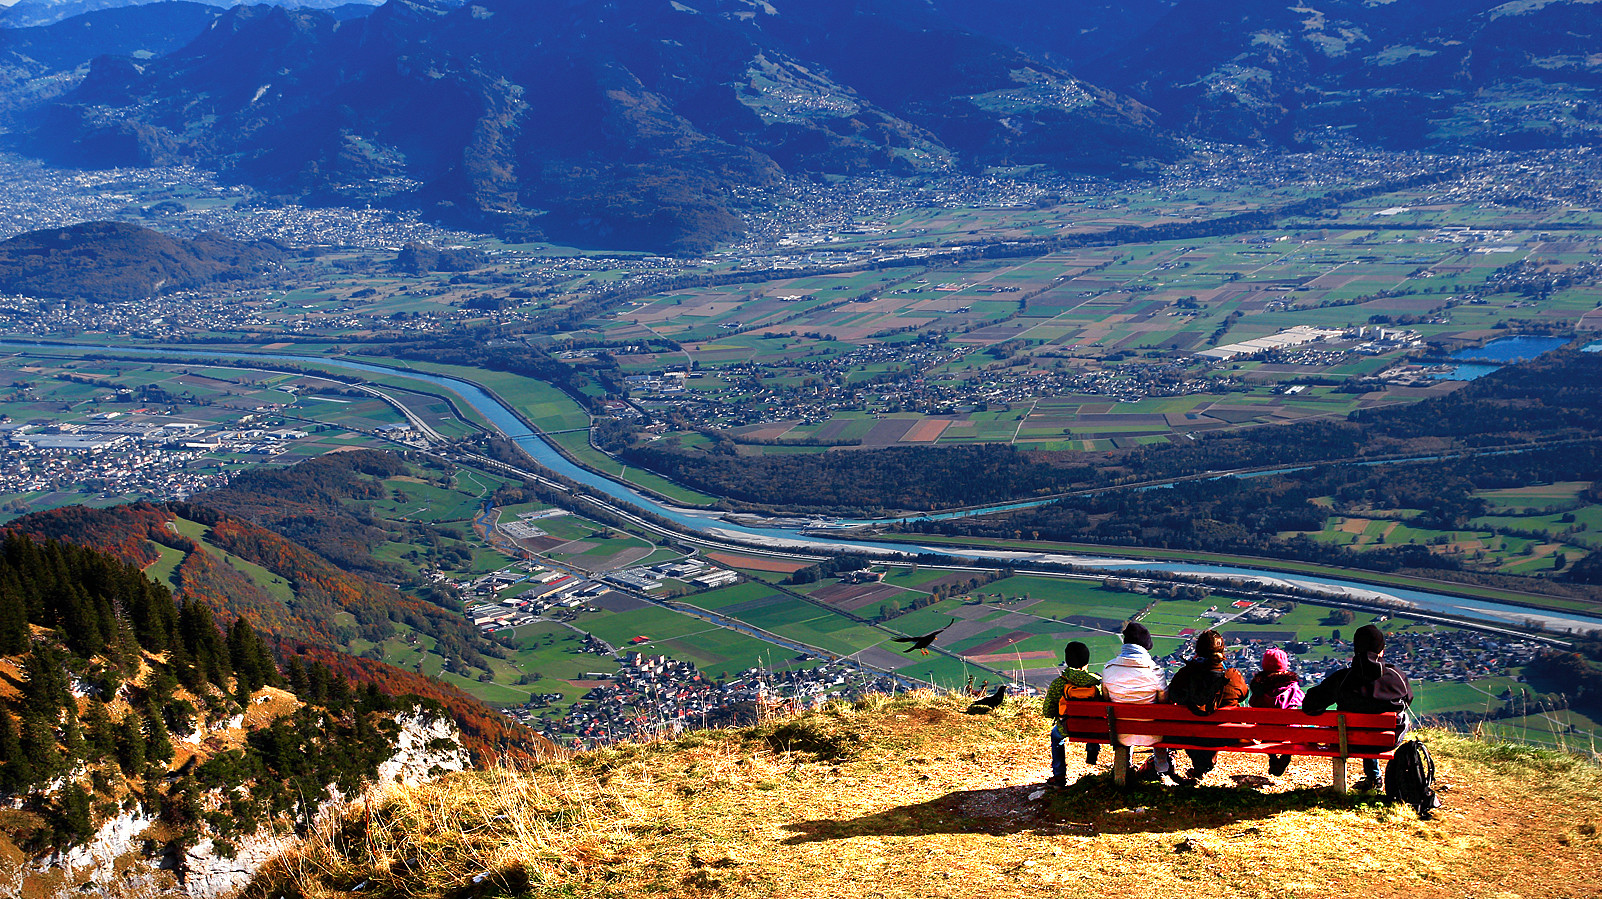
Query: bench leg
(1340,775)
(1120,764)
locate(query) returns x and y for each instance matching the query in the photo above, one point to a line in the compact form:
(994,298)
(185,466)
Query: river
(712,525)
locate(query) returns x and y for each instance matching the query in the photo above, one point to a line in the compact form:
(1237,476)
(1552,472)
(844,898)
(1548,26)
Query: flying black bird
(923,641)
(989,703)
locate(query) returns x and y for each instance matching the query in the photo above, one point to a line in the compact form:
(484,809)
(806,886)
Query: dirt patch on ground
(926,431)
(888,431)
(756,563)
(539,544)
(991,646)
(1007,658)
(576,547)
(854,596)
(613,601)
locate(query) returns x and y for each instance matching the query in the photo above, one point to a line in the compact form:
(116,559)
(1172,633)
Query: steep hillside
(112,262)
(302,595)
(126,714)
(310,608)
(908,797)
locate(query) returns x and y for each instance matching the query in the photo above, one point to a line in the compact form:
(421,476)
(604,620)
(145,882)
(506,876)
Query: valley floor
(910,797)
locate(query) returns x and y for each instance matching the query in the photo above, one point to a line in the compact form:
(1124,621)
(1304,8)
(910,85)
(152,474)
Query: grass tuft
(824,737)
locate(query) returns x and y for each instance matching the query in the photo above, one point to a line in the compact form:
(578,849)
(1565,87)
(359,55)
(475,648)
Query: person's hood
(1137,652)
(1367,666)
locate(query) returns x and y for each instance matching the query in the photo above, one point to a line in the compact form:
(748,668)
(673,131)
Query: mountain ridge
(563,119)
(657,126)
(119,262)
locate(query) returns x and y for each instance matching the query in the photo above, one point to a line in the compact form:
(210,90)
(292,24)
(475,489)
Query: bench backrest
(1101,721)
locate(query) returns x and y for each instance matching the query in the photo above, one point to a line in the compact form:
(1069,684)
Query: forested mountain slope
(118,702)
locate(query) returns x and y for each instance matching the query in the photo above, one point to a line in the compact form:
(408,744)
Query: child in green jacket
(1075,683)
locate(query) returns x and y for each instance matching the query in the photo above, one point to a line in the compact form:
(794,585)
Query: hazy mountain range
(29,13)
(648,124)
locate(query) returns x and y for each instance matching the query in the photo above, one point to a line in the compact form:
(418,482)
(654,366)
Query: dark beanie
(1368,639)
(1136,633)
(1076,654)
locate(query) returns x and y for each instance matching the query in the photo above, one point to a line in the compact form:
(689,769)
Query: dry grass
(909,797)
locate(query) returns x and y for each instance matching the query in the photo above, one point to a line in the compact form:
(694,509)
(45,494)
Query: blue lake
(1510,349)
(1481,361)
(1466,372)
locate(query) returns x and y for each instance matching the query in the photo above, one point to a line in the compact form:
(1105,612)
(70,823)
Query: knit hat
(1076,655)
(1368,639)
(1275,661)
(1136,633)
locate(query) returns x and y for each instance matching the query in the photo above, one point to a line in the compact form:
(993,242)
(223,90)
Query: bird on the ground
(922,642)
(989,703)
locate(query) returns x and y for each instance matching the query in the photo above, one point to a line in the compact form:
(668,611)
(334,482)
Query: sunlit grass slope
(909,797)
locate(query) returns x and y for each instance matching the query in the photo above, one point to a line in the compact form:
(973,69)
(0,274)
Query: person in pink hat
(1276,687)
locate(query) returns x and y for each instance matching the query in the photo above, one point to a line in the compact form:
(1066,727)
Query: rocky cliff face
(426,746)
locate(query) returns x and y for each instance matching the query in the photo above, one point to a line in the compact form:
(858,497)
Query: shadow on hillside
(1090,805)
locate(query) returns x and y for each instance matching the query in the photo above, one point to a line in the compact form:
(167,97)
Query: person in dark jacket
(1367,686)
(1205,685)
(1276,686)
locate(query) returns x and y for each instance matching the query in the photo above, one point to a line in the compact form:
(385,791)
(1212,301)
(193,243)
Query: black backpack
(1410,778)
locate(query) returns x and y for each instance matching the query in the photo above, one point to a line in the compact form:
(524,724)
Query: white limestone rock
(426,747)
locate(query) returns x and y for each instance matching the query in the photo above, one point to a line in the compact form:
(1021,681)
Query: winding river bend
(712,526)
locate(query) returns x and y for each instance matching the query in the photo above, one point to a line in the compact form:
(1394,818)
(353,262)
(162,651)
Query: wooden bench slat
(1203,730)
(1299,746)
(1290,749)
(1245,714)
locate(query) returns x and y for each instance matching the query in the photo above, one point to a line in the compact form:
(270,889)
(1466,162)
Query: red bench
(1335,735)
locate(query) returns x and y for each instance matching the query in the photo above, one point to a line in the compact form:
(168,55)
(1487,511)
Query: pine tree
(14,636)
(316,684)
(252,660)
(75,825)
(158,743)
(131,745)
(99,733)
(299,683)
(15,773)
(204,642)
(45,690)
(339,693)
(39,750)
(72,742)
(82,622)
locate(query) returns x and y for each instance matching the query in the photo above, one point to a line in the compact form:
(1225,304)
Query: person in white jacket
(1133,676)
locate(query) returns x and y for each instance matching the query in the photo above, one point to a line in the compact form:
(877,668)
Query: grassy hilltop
(906,796)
